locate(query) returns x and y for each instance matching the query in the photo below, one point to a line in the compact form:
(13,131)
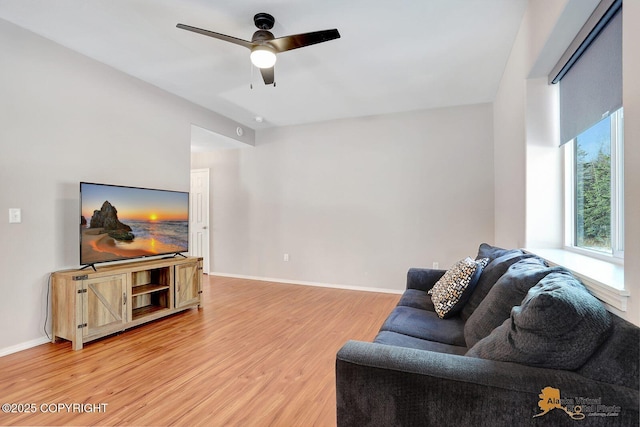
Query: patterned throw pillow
(452,291)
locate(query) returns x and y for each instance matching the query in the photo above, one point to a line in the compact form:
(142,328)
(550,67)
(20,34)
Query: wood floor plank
(256,354)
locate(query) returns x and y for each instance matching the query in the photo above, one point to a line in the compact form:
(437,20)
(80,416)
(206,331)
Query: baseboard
(306,283)
(23,346)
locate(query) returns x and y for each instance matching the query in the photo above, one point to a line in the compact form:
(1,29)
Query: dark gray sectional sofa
(530,346)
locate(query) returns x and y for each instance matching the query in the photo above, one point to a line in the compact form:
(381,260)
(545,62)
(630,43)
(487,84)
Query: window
(591,124)
(594,188)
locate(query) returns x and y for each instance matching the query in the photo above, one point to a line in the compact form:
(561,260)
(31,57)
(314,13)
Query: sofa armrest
(380,385)
(423,279)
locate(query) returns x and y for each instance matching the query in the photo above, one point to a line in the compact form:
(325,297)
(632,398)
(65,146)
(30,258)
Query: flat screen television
(119,223)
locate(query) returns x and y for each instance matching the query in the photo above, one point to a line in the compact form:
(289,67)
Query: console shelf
(147,289)
(87,305)
(146,310)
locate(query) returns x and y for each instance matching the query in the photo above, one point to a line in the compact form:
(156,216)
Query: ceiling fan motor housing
(261,36)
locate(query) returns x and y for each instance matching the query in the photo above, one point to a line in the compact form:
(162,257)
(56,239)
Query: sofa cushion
(452,291)
(485,250)
(558,325)
(417,299)
(425,325)
(394,338)
(423,278)
(616,360)
(508,291)
(490,275)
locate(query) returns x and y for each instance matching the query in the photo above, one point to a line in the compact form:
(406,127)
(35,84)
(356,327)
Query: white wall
(631,103)
(525,135)
(526,162)
(65,118)
(544,169)
(355,202)
(509,150)
(542,41)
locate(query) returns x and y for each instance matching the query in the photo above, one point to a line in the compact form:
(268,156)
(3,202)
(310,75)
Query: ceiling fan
(264,46)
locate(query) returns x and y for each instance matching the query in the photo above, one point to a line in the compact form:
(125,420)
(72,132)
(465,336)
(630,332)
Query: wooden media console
(87,305)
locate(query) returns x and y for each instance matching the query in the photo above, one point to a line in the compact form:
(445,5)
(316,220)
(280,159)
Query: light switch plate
(15,216)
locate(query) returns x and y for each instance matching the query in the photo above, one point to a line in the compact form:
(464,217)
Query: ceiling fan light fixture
(263,57)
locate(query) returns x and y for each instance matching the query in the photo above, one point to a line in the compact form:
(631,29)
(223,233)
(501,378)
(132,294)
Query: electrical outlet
(285,258)
(15,216)
(436,264)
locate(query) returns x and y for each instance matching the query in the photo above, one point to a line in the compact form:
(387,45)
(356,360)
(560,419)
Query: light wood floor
(256,354)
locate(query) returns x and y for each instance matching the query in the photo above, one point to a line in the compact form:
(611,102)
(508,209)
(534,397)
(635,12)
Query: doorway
(203,143)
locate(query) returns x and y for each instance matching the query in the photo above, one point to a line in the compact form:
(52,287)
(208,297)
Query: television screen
(118,223)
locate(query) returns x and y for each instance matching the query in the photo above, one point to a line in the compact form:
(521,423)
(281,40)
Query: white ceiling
(393,56)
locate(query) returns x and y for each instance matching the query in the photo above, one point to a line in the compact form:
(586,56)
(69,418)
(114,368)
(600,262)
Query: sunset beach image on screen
(118,222)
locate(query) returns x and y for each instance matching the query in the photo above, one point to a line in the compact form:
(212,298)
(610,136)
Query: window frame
(617,195)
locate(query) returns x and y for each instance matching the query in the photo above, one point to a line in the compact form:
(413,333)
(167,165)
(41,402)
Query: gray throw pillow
(558,325)
(508,291)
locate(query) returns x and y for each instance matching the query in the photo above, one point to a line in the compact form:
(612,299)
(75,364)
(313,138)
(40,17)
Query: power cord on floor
(46,313)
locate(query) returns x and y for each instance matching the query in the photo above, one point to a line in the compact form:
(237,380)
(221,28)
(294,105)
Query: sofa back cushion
(485,250)
(559,325)
(508,291)
(616,360)
(490,275)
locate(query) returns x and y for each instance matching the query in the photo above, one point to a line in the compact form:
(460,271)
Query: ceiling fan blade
(219,36)
(283,44)
(267,75)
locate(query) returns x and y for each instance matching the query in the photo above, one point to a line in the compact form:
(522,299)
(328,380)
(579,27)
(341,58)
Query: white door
(199,216)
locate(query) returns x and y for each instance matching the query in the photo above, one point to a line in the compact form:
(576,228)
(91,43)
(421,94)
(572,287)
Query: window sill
(604,279)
